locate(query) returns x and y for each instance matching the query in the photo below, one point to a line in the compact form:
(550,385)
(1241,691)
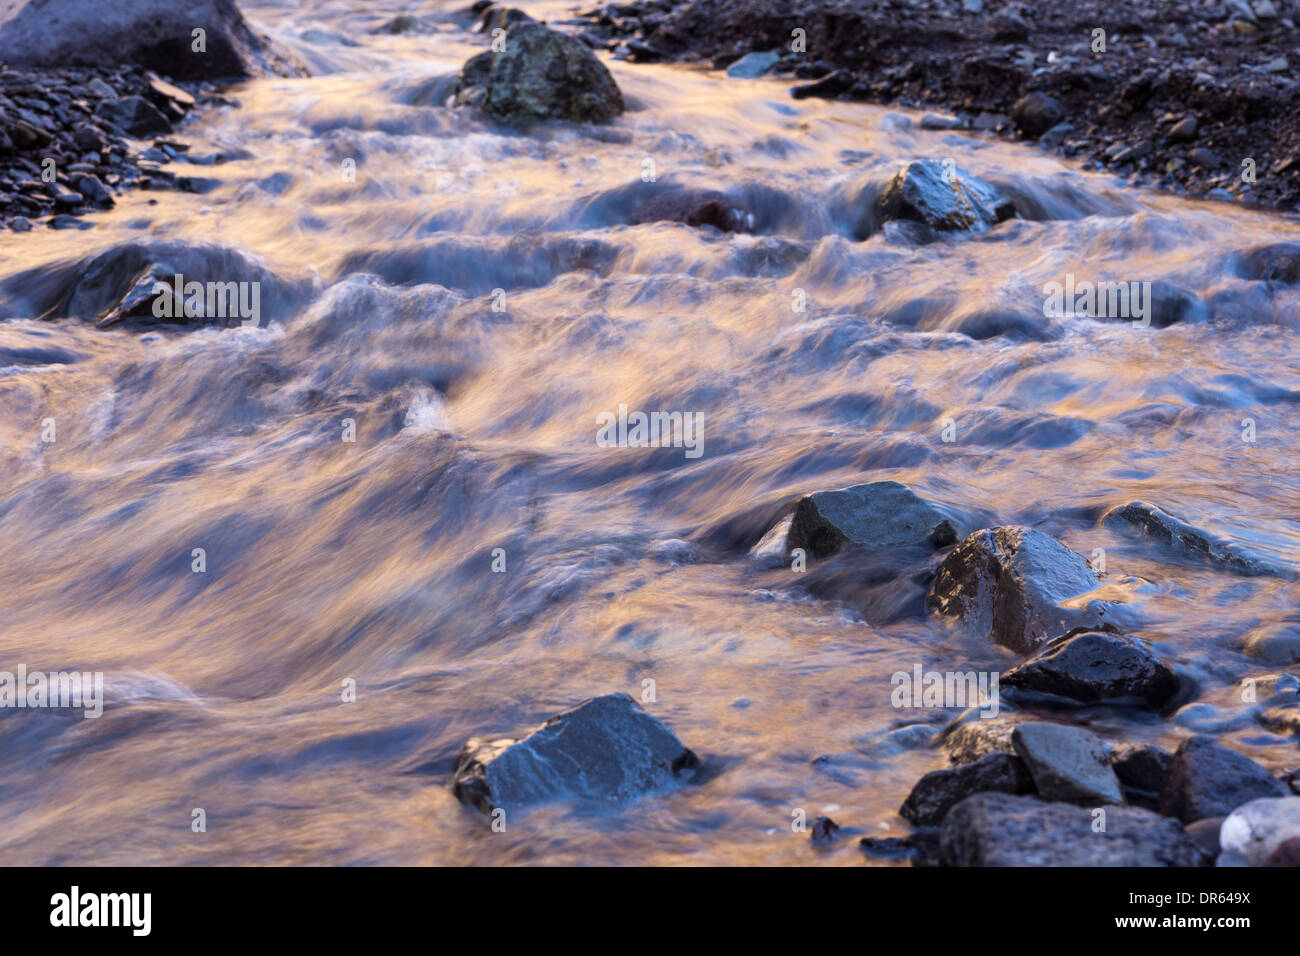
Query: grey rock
(943,200)
(1096,666)
(606,749)
(971,738)
(1205,834)
(134,114)
(540,75)
(1206,779)
(876,515)
(93,189)
(1013,584)
(694,207)
(940,790)
(1035,113)
(1149,521)
(1141,767)
(938,122)
(1277,642)
(1184,131)
(997,829)
(753,65)
(1256,829)
(1276,262)
(1067,763)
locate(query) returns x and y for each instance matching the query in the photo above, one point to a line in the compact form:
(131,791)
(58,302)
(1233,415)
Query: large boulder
(1096,666)
(1206,779)
(1256,829)
(999,829)
(607,749)
(940,790)
(1139,518)
(541,74)
(153,34)
(877,515)
(1019,587)
(1067,763)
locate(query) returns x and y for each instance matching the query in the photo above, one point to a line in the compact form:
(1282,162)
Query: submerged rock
(1206,779)
(694,207)
(880,514)
(753,65)
(998,829)
(540,75)
(1278,262)
(1096,666)
(1139,517)
(943,199)
(940,790)
(606,749)
(1277,642)
(154,34)
(1018,586)
(1255,830)
(1067,763)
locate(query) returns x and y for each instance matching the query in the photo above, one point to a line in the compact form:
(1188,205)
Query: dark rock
(541,74)
(1286,854)
(134,114)
(1206,779)
(971,738)
(1278,262)
(154,34)
(1149,521)
(404,23)
(694,207)
(1013,584)
(1141,768)
(94,190)
(1205,834)
(997,829)
(828,87)
(876,515)
(940,790)
(606,749)
(1277,642)
(1096,666)
(823,831)
(1205,158)
(1067,763)
(1035,113)
(946,202)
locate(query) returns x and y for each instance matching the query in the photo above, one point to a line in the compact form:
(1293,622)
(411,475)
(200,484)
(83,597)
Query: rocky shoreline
(1183,95)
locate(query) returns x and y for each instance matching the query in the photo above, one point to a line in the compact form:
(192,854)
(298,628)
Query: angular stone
(1206,779)
(753,65)
(1141,767)
(971,738)
(1067,763)
(1096,666)
(944,199)
(606,749)
(940,790)
(1019,587)
(1035,113)
(1257,829)
(998,829)
(1147,520)
(133,114)
(880,514)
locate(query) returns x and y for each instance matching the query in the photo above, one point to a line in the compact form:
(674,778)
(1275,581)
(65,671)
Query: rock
(606,749)
(828,87)
(998,829)
(945,200)
(153,34)
(1277,642)
(876,515)
(971,738)
(1149,521)
(1205,834)
(1206,779)
(404,23)
(541,74)
(753,65)
(694,207)
(940,790)
(1205,158)
(1096,666)
(1184,131)
(1035,113)
(94,190)
(1286,854)
(133,114)
(1019,587)
(1141,768)
(823,831)
(1282,720)
(1067,763)
(1256,829)
(1276,262)
(936,121)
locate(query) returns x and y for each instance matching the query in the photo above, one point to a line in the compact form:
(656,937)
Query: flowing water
(475,429)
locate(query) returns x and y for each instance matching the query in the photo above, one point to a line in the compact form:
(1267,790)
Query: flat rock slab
(1206,779)
(1096,666)
(607,749)
(1255,830)
(1019,587)
(998,829)
(940,790)
(875,515)
(1067,763)
(1149,521)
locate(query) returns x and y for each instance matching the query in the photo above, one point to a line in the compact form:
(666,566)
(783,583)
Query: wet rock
(606,749)
(940,790)
(1067,763)
(944,199)
(828,87)
(540,75)
(753,65)
(1018,586)
(694,207)
(1255,830)
(1206,779)
(876,515)
(997,829)
(971,738)
(1282,720)
(154,34)
(404,23)
(1286,854)
(1149,521)
(1184,131)
(133,114)
(1277,642)
(502,18)
(94,190)
(1141,768)
(1096,666)
(823,831)
(1205,834)
(1035,113)
(1278,262)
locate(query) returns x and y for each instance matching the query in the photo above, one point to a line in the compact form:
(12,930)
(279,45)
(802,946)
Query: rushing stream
(327,559)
